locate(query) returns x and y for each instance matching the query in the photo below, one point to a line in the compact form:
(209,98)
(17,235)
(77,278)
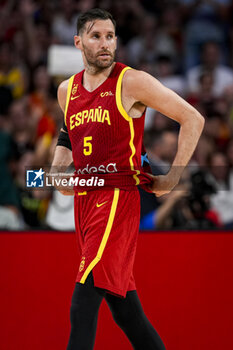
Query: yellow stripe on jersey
(129,119)
(105,236)
(70,84)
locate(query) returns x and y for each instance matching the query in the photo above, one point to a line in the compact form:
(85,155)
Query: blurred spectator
(11,75)
(64,23)
(129,14)
(121,53)
(230,155)
(9,219)
(5,101)
(150,43)
(160,217)
(170,22)
(6,9)
(228,97)
(222,201)
(165,73)
(60,215)
(162,151)
(83,6)
(36,49)
(159,122)
(40,102)
(33,202)
(206,22)
(21,125)
(9,200)
(154,7)
(218,128)
(204,96)
(186,207)
(222,76)
(205,147)
(42,106)
(230,40)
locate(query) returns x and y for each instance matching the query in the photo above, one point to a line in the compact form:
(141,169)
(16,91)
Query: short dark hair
(92,15)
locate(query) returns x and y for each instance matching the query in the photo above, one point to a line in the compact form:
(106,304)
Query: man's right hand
(67,192)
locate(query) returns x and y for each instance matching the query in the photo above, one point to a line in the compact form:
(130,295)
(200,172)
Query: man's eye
(96,36)
(110,36)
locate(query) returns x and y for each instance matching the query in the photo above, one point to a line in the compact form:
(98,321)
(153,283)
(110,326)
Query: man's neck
(93,78)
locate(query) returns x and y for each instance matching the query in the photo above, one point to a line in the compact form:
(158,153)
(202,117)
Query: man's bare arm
(141,87)
(63,156)
(62,159)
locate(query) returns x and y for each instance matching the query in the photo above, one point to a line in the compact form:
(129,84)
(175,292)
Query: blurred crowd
(186,44)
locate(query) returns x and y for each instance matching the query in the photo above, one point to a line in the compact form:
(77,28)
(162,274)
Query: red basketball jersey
(105,140)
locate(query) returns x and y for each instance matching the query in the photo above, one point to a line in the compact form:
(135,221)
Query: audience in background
(186,44)
(222,200)
(64,23)
(221,76)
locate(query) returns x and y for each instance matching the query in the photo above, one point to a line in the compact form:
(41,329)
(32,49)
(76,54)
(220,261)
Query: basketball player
(104,108)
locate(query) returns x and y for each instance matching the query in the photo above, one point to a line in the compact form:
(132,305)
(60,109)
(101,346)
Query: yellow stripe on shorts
(105,236)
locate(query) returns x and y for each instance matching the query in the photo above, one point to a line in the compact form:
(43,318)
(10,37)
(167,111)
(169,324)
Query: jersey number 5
(87,145)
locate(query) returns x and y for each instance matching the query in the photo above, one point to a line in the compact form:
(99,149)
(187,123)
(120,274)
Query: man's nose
(104,43)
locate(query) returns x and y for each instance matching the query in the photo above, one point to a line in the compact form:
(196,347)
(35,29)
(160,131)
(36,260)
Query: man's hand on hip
(163,184)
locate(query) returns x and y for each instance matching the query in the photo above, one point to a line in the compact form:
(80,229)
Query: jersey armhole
(118,95)
(70,84)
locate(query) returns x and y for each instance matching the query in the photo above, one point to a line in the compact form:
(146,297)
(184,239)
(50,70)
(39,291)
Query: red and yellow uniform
(107,143)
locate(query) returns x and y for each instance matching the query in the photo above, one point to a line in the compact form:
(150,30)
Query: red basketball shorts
(107,224)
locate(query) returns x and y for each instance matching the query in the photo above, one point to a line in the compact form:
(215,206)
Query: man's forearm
(62,159)
(190,132)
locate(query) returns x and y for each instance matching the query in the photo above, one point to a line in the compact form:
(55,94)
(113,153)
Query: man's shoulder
(62,88)
(133,77)
(62,92)
(64,84)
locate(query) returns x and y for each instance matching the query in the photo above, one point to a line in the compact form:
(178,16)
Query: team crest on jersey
(75,89)
(82,264)
(73,92)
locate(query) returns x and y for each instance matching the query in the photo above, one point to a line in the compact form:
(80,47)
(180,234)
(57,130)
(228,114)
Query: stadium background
(188,46)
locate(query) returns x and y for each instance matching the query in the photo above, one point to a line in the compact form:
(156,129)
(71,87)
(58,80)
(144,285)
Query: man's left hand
(163,184)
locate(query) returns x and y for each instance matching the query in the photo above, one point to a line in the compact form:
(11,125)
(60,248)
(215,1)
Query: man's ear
(78,42)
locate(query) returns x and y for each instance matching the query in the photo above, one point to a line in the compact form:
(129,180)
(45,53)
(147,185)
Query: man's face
(211,55)
(97,43)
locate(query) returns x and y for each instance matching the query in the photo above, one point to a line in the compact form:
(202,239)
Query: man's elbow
(195,121)
(200,121)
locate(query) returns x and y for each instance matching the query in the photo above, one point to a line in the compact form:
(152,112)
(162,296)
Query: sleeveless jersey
(106,141)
